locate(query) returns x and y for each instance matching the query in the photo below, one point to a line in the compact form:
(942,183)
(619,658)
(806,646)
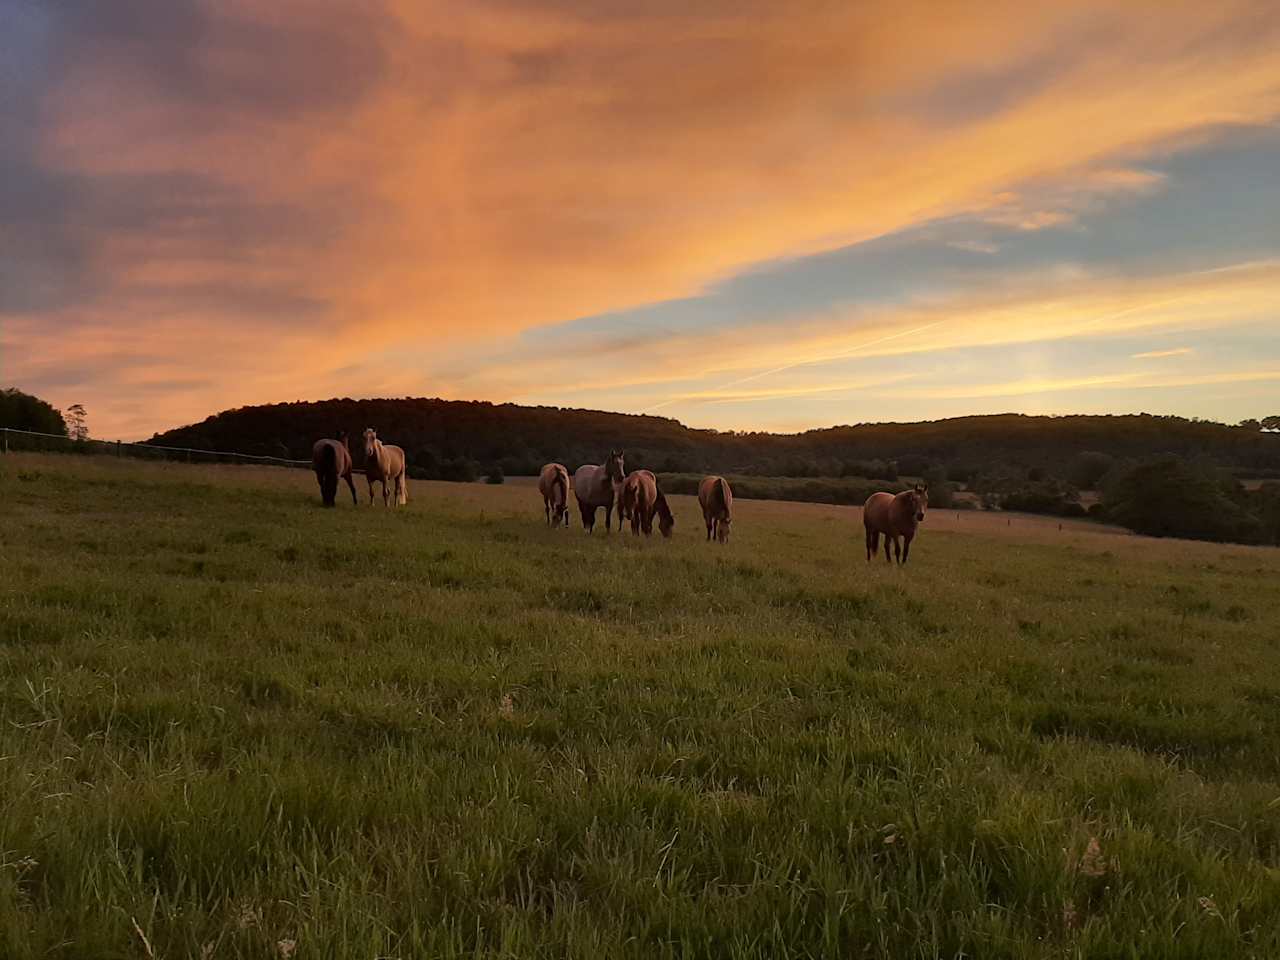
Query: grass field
(233,724)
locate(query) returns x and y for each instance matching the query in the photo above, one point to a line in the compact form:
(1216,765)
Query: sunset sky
(742,215)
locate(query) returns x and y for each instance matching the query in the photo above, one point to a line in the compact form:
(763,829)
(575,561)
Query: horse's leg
(588,519)
(888,549)
(709,525)
(897,549)
(873,543)
(546,508)
(906,547)
(352,484)
(608,517)
(370,479)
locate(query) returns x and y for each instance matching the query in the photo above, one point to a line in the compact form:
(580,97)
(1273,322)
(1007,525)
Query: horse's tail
(723,491)
(561,483)
(327,468)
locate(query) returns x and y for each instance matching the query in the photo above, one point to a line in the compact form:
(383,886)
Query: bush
(459,470)
(1087,469)
(843,490)
(1168,497)
(25,412)
(495,475)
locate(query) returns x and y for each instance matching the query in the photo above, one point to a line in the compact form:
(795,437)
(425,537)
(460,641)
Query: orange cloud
(312,188)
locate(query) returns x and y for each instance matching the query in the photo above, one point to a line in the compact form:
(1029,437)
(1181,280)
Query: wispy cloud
(301,191)
(1156,354)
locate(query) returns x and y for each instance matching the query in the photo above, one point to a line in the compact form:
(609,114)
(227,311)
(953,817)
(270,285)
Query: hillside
(522,438)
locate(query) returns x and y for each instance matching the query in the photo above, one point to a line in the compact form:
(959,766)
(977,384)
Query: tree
(22,411)
(1168,497)
(1271,423)
(76,417)
(1088,467)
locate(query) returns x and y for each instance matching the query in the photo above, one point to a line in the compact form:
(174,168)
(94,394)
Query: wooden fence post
(6,439)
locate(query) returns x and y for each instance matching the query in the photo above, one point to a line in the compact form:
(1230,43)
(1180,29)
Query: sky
(742,215)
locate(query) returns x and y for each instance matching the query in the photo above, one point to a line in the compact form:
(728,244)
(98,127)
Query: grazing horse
(332,462)
(553,484)
(716,499)
(641,499)
(598,485)
(384,462)
(894,517)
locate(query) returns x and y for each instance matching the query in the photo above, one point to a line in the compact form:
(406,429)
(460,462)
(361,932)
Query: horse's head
(666,523)
(614,466)
(920,501)
(722,530)
(370,442)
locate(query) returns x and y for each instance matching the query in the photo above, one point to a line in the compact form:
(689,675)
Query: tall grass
(238,725)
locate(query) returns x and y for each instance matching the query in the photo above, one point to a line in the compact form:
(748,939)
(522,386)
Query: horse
(553,484)
(894,516)
(641,499)
(598,485)
(331,460)
(384,462)
(716,499)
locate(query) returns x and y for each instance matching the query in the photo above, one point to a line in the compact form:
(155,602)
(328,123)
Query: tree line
(1166,476)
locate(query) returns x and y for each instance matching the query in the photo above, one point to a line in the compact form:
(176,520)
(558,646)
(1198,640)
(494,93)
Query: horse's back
(331,455)
(549,476)
(715,497)
(878,510)
(587,486)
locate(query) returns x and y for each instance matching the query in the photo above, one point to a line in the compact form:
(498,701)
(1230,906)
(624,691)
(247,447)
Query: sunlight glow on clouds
(205,205)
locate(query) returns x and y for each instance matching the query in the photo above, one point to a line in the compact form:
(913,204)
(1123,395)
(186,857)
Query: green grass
(235,719)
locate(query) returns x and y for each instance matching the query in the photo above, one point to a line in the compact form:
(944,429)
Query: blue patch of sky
(1218,205)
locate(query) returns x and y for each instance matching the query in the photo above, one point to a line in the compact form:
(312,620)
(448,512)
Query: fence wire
(34,441)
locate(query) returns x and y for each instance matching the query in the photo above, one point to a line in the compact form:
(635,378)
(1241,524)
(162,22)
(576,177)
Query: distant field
(238,725)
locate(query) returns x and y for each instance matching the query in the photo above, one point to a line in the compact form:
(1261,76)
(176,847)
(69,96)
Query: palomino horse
(597,485)
(384,463)
(553,484)
(332,461)
(894,517)
(717,506)
(641,499)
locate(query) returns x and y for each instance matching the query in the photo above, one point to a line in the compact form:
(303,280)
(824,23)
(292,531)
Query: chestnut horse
(597,485)
(716,499)
(384,463)
(553,484)
(641,499)
(894,517)
(331,460)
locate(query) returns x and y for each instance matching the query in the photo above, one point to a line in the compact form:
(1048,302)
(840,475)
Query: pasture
(235,724)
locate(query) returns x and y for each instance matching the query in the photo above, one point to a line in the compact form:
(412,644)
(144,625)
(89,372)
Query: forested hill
(522,438)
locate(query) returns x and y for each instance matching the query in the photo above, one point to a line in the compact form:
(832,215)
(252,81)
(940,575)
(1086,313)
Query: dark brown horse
(895,517)
(641,500)
(331,460)
(599,485)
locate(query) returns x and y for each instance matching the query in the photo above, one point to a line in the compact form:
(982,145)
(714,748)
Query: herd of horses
(635,495)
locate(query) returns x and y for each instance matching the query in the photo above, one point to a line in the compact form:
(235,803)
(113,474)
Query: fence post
(117,448)
(6,439)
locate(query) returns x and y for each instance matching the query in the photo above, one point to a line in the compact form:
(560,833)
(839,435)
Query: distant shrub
(459,470)
(839,490)
(1169,497)
(1088,468)
(494,474)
